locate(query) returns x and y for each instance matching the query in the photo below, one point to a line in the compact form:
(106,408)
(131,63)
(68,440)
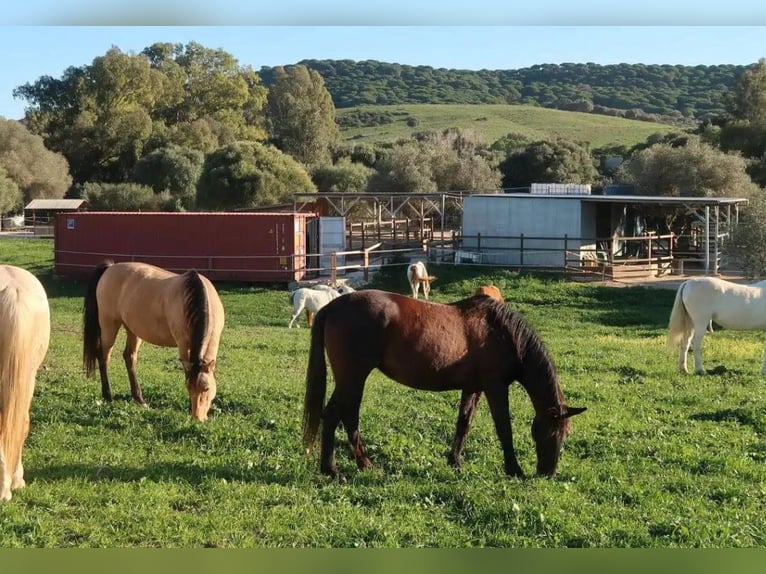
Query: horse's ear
(572,411)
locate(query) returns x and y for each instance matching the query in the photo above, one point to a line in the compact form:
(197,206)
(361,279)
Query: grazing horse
(161,308)
(701,300)
(417,276)
(476,345)
(25,329)
(490,291)
(312,299)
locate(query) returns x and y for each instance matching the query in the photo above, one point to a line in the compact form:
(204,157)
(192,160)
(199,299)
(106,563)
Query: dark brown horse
(477,345)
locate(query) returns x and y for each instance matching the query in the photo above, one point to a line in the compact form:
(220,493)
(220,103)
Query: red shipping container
(253,247)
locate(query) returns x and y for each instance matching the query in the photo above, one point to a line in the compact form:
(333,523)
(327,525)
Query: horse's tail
(316,381)
(195,305)
(91,329)
(680,322)
(17,372)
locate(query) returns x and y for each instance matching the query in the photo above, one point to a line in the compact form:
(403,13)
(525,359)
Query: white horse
(701,300)
(25,330)
(312,299)
(417,276)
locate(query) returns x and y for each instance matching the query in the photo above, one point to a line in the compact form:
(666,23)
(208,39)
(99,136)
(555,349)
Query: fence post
(366,265)
(566,247)
(333,268)
(478,242)
(649,253)
(521,250)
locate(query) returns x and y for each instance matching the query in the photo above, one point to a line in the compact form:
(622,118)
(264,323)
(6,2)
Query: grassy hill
(493,121)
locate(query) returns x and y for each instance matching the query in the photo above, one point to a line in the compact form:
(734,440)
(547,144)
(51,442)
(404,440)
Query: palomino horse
(417,276)
(25,330)
(161,308)
(701,300)
(476,345)
(490,291)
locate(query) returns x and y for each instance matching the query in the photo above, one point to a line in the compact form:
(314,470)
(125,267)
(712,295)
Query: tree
(124,197)
(446,161)
(748,98)
(693,170)
(173,169)
(249,175)
(36,171)
(10,194)
(405,168)
(301,115)
(747,247)
(344,176)
(558,161)
(106,115)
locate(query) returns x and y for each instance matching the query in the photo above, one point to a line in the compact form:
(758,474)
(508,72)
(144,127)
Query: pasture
(659,459)
(493,121)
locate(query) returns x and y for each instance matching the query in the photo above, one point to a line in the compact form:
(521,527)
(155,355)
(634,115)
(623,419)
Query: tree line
(649,92)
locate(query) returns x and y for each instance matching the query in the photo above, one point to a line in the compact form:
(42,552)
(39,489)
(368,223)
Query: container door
(332,237)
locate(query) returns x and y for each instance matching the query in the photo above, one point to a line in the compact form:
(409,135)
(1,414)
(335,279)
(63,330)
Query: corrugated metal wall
(259,247)
(543,220)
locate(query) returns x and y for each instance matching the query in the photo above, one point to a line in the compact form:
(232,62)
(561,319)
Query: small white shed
(525,229)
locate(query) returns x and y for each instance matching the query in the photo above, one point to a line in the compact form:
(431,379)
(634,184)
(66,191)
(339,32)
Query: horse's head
(490,291)
(202,388)
(549,430)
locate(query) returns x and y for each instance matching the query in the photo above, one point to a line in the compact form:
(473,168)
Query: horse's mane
(512,325)
(195,305)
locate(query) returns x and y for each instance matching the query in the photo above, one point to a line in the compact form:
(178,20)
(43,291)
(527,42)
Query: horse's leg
(683,351)
(130,354)
(330,421)
(699,333)
(5,476)
(468,402)
(497,398)
(309,317)
(108,336)
(296,314)
(415,289)
(350,416)
(17,481)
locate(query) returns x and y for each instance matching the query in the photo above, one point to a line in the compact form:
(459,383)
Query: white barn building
(552,229)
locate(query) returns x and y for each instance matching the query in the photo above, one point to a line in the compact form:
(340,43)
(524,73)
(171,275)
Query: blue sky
(29,52)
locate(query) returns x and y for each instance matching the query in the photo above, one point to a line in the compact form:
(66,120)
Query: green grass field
(659,459)
(494,121)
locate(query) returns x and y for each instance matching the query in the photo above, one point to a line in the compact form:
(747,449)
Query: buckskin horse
(162,308)
(476,345)
(25,330)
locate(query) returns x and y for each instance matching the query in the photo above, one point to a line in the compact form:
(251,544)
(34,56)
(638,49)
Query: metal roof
(55,204)
(644,199)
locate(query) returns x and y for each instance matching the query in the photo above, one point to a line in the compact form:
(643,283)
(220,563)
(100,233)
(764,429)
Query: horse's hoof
(364,464)
(455,462)
(17,484)
(700,372)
